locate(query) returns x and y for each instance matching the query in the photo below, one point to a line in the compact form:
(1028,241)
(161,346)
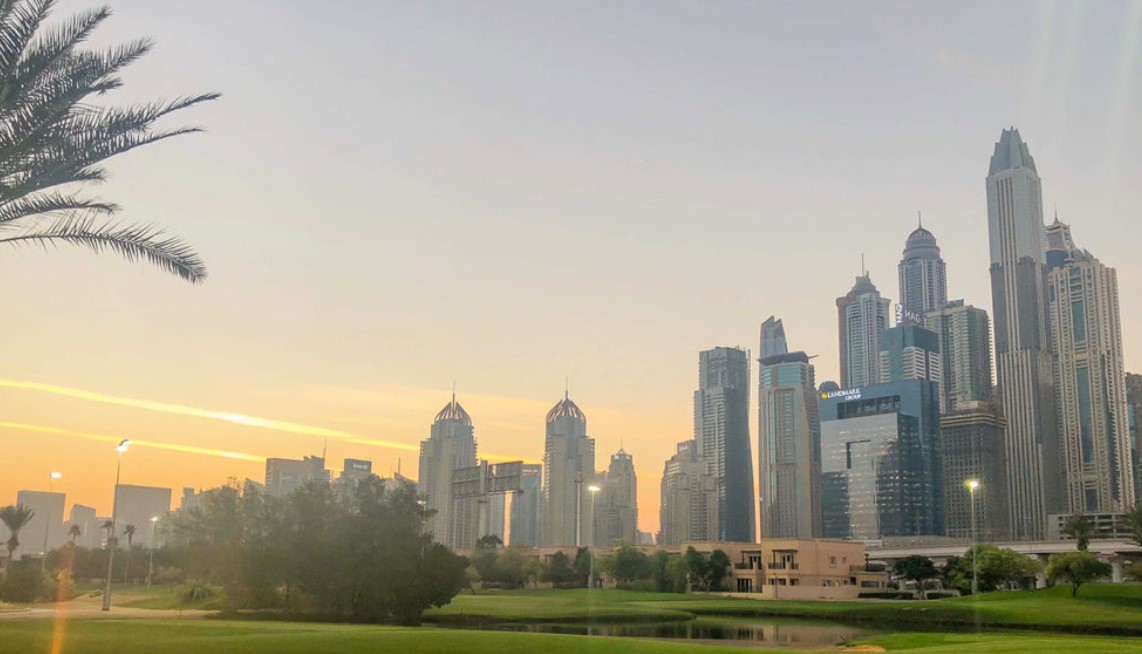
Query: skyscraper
(788,441)
(972,447)
(879,461)
(1134,411)
(137,505)
(45,531)
(964,334)
(451,444)
(1024,362)
(525,511)
(689,498)
(616,508)
(908,351)
(862,316)
(721,429)
(1086,336)
(923,276)
(284,476)
(568,470)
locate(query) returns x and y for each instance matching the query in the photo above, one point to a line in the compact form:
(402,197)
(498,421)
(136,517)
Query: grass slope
(1099,608)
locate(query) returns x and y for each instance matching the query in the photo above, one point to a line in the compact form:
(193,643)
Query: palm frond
(18,26)
(46,204)
(132,242)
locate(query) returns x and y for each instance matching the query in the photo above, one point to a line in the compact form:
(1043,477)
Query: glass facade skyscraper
(862,316)
(923,275)
(721,429)
(880,468)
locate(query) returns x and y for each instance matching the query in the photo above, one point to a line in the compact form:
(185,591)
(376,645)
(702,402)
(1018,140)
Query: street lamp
(973,485)
(593,489)
(48,518)
(151,560)
(120,448)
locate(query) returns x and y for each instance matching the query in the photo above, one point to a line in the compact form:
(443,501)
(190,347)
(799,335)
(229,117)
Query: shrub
(197,593)
(25,582)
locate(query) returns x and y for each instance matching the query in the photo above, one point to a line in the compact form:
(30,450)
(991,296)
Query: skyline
(360,327)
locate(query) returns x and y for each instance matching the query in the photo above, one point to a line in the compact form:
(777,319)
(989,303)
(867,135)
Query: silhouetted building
(526,505)
(689,498)
(721,429)
(1090,378)
(862,316)
(84,517)
(284,476)
(451,444)
(1134,413)
(964,334)
(616,504)
(136,506)
(788,441)
(923,275)
(45,531)
(972,448)
(568,471)
(1024,362)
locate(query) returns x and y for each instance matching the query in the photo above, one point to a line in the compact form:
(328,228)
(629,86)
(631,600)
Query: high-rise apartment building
(862,316)
(972,448)
(451,444)
(1086,336)
(880,461)
(1134,415)
(1024,362)
(721,429)
(616,504)
(137,505)
(568,472)
(525,509)
(84,517)
(908,351)
(284,476)
(45,531)
(788,441)
(689,501)
(923,275)
(964,334)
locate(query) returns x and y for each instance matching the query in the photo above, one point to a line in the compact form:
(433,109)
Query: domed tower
(568,472)
(450,445)
(923,277)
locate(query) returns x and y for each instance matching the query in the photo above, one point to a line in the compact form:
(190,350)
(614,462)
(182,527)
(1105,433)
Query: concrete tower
(568,471)
(923,276)
(450,445)
(862,316)
(721,428)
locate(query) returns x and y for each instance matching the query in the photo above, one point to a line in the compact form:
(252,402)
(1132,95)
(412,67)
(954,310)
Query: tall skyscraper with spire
(788,440)
(568,471)
(450,445)
(1024,362)
(721,429)
(923,276)
(862,317)
(1086,335)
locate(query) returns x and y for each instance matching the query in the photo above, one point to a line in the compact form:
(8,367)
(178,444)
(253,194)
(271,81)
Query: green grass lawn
(228,637)
(1111,608)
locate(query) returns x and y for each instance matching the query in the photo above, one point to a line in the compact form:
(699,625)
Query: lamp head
(972,484)
(594,488)
(154,519)
(122,446)
(56,475)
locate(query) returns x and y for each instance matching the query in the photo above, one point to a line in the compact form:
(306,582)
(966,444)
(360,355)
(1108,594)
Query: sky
(393,197)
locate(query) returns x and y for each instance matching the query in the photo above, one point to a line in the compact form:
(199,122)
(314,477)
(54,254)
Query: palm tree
(55,133)
(15,518)
(1081,528)
(129,532)
(74,532)
(109,527)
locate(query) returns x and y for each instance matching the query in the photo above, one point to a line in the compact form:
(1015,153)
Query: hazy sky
(393,196)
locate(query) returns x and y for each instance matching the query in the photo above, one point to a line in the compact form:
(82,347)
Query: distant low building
(284,476)
(45,531)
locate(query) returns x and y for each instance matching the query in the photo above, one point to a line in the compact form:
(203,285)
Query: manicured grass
(175,598)
(1103,608)
(225,637)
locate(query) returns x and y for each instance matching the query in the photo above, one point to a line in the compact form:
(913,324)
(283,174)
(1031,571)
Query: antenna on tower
(567,387)
(324,449)
(863,272)
(453,391)
(919,220)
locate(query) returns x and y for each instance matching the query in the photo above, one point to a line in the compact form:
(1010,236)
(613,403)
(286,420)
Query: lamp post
(120,449)
(593,489)
(973,485)
(48,518)
(151,559)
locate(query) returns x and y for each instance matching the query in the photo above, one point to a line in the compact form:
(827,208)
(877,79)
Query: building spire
(863,271)
(567,387)
(919,220)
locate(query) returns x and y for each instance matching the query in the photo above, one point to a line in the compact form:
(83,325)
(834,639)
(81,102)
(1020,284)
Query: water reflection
(731,631)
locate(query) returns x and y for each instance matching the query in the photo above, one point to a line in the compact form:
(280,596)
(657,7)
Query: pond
(729,631)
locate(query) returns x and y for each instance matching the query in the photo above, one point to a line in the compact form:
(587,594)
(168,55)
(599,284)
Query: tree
(918,569)
(74,532)
(629,565)
(660,571)
(1133,520)
(56,133)
(533,570)
(1000,566)
(956,575)
(489,542)
(719,567)
(697,568)
(129,532)
(583,567)
(1076,568)
(560,572)
(1081,528)
(15,518)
